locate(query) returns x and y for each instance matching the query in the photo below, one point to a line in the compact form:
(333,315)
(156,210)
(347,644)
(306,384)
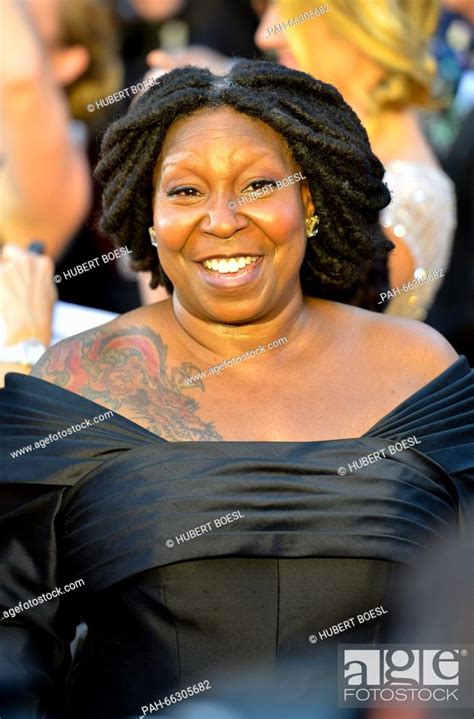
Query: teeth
(233,264)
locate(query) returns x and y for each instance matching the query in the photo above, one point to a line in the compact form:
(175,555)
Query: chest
(278,408)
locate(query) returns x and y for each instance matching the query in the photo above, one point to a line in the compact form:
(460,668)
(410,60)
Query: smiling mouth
(229,265)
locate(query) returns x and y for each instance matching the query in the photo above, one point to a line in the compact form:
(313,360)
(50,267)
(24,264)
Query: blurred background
(70,67)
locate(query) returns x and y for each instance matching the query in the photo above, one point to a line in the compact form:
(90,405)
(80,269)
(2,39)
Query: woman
(215,519)
(377,55)
(55,55)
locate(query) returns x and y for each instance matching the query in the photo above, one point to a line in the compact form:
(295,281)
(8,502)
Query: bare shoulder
(409,347)
(125,366)
(407,353)
(94,362)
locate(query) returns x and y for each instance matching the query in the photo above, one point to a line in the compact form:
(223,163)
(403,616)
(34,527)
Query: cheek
(172,229)
(284,225)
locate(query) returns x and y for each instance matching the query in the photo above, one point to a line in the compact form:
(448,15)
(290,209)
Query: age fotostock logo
(432,675)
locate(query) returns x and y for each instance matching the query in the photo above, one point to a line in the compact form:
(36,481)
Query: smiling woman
(295,134)
(315,546)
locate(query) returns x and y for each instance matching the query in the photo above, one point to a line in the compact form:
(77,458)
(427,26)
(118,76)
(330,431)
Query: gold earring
(152,232)
(312,226)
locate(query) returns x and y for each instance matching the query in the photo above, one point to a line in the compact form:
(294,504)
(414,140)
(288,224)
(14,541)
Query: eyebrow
(191,156)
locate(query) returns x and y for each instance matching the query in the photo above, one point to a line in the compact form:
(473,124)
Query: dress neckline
(460,363)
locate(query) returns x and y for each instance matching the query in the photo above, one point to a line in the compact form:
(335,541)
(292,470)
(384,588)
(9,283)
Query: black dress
(318,536)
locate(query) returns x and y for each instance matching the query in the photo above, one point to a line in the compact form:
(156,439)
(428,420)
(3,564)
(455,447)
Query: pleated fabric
(116,506)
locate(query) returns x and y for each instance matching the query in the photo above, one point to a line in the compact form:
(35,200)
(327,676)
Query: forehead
(223,126)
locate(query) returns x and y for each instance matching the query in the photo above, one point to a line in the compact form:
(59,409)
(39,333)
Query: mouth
(231,272)
(229,265)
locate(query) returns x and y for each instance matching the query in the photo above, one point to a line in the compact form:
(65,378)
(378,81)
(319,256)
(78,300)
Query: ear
(69,63)
(308,203)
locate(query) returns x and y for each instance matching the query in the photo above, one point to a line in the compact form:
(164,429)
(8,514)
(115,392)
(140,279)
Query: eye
(183,191)
(258,184)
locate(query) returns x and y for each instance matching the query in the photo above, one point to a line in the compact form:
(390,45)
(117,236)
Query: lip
(232,279)
(228,257)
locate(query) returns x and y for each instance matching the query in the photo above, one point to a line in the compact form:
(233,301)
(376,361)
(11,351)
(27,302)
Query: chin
(232,313)
(232,317)
(287,59)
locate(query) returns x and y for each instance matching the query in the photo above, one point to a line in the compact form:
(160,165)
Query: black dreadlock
(347,260)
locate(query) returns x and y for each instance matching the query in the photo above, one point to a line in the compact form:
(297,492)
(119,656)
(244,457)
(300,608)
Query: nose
(265,37)
(222,218)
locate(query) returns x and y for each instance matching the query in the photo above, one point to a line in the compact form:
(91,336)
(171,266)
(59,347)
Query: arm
(401,263)
(27,297)
(46,183)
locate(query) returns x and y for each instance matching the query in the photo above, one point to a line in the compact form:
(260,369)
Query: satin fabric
(314,547)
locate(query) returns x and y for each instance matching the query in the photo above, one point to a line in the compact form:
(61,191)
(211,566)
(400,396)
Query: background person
(377,55)
(54,56)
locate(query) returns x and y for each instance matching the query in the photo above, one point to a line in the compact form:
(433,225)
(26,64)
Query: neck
(204,336)
(365,77)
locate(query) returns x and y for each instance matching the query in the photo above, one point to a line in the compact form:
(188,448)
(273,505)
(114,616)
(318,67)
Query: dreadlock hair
(347,260)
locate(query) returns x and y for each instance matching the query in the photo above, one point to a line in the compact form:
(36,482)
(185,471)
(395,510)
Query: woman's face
(316,49)
(269,40)
(208,160)
(67,64)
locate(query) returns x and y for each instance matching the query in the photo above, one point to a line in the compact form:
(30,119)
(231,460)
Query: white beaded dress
(422,213)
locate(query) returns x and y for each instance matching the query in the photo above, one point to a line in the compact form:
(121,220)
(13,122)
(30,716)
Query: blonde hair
(90,23)
(394,33)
